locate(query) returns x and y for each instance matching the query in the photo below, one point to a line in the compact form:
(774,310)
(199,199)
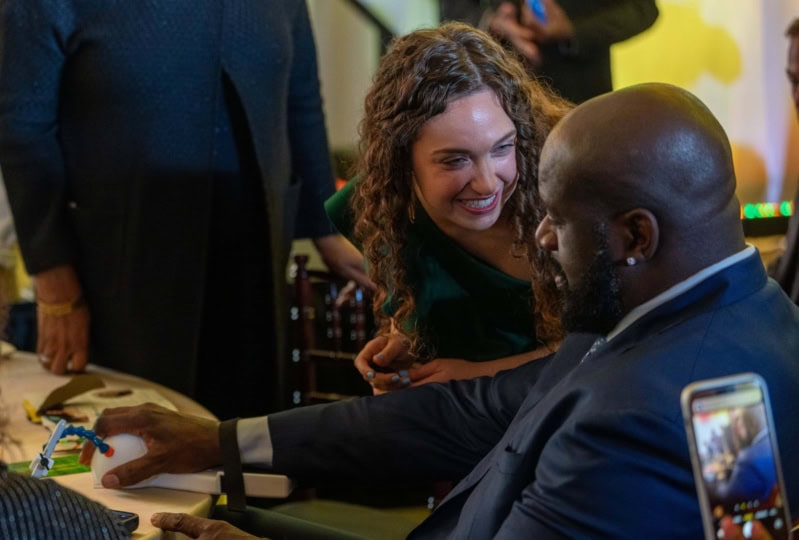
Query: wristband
(60,309)
(231,466)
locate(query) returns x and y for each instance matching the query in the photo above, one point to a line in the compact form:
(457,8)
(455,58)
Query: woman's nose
(484,181)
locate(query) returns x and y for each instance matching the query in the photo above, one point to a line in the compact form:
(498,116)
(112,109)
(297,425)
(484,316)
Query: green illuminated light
(767,210)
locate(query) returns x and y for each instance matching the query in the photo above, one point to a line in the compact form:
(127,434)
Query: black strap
(233,482)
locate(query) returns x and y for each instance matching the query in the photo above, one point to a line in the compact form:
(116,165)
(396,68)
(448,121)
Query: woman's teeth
(479,203)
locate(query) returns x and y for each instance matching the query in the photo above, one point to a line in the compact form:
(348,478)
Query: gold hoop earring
(412,207)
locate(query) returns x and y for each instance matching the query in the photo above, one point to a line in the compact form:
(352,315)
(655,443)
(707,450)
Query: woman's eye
(504,149)
(455,162)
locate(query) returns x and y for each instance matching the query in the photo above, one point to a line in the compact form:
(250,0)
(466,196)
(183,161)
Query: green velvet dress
(465,308)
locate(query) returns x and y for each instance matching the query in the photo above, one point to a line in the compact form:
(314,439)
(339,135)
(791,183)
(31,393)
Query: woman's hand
(384,363)
(344,259)
(442,370)
(453,369)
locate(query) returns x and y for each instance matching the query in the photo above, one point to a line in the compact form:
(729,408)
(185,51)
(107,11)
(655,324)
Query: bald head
(651,146)
(639,191)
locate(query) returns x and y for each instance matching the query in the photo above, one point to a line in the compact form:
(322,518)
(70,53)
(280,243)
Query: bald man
(660,291)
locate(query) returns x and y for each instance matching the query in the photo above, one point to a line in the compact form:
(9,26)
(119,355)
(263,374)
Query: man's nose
(545,236)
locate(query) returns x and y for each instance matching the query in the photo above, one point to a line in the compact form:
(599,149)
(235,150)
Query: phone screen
(734,454)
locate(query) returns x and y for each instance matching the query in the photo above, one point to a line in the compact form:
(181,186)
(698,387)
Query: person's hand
(347,293)
(557,28)
(733,532)
(175,443)
(504,24)
(344,259)
(62,338)
(442,370)
(384,363)
(197,527)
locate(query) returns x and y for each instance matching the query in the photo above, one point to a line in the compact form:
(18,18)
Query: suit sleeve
(33,34)
(436,431)
(607,477)
(310,154)
(620,20)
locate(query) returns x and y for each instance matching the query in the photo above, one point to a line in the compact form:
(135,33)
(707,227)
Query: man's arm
(310,157)
(619,21)
(432,432)
(31,66)
(624,474)
(33,36)
(437,431)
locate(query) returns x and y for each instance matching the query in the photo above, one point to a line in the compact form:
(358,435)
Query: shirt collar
(678,289)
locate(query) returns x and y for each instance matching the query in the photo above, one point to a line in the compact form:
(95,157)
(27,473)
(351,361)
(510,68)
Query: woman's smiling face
(464,161)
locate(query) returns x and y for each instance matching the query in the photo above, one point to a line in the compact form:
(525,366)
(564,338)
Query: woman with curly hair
(445,207)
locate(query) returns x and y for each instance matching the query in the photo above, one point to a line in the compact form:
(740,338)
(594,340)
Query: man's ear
(640,234)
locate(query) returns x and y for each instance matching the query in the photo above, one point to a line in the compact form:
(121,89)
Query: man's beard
(593,303)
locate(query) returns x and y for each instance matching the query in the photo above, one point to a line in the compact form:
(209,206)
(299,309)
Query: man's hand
(199,528)
(62,339)
(504,23)
(344,259)
(526,32)
(175,443)
(558,27)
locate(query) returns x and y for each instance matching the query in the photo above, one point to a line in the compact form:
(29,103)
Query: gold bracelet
(60,310)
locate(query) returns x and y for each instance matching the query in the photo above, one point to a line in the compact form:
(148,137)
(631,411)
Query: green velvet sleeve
(339,210)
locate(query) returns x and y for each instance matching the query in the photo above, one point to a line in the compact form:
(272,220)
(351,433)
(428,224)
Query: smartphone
(128,519)
(734,454)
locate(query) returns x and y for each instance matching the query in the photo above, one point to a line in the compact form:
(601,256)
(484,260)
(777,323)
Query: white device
(128,447)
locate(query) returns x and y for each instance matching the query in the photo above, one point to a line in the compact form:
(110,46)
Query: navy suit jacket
(566,447)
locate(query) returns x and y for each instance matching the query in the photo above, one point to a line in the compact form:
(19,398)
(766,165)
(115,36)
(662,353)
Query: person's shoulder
(339,209)
(59,18)
(33,499)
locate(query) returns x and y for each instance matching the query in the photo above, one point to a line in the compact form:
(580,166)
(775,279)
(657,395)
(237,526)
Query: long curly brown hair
(417,78)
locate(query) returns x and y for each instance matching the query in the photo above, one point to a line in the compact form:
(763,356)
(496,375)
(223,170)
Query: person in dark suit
(660,290)
(570,50)
(159,158)
(786,269)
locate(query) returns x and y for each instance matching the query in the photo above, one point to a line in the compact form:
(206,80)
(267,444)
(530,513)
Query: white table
(21,374)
